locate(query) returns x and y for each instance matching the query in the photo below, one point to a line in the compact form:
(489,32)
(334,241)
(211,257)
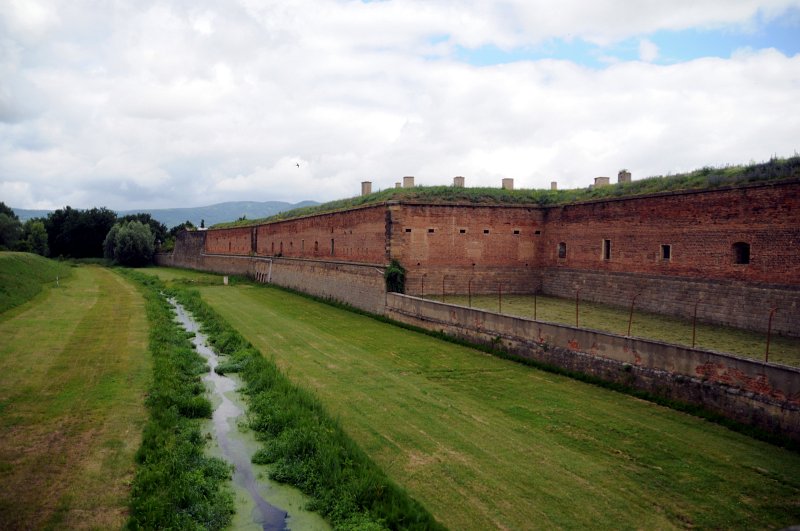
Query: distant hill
(212,214)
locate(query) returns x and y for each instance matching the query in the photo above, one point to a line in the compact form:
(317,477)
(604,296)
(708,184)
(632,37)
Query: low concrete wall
(731,303)
(760,394)
(360,285)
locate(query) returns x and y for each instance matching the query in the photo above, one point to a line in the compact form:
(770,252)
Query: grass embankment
(485,443)
(24,275)
(303,444)
(704,178)
(176,486)
(73,374)
(614,319)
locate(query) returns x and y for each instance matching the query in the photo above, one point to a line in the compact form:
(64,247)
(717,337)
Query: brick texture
(674,248)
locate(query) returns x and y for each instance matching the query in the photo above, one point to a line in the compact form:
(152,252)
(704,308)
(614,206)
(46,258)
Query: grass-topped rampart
(24,275)
(705,178)
(303,445)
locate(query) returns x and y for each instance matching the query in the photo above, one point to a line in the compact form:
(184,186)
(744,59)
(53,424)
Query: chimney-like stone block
(366,187)
(458,182)
(408,181)
(508,184)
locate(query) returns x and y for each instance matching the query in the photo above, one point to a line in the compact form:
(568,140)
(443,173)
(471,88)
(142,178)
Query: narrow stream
(233,444)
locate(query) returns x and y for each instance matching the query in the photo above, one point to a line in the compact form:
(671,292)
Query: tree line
(93,233)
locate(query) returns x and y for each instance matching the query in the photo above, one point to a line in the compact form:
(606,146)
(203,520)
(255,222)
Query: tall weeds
(176,486)
(304,446)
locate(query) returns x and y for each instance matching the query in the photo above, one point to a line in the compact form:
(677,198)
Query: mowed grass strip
(614,319)
(486,443)
(73,373)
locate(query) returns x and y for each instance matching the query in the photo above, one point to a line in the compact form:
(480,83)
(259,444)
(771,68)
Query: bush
(395,277)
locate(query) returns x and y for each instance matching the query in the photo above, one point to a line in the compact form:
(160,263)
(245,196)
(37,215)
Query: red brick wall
(431,235)
(699,227)
(461,247)
(358,235)
(229,241)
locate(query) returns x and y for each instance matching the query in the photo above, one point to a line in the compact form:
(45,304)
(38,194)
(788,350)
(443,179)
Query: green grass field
(73,372)
(614,319)
(23,275)
(486,443)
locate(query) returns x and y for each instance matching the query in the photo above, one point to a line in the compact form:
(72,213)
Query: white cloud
(648,50)
(175,104)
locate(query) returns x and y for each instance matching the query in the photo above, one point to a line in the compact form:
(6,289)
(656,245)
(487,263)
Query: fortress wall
(357,235)
(700,228)
(189,247)
(754,393)
(730,303)
(360,285)
(237,240)
(470,245)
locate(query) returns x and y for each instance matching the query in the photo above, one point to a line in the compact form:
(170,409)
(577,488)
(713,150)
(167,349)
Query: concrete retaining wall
(731,303)
(748,391)
(360,285)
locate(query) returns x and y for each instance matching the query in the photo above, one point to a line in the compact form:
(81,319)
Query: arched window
(741,253)
(562,250)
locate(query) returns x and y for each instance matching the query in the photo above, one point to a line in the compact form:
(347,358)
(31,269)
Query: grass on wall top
(704,178)
(23,275)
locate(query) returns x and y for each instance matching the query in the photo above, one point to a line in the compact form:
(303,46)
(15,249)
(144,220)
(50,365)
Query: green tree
(10,228)
(130,243)
(34,237)
(158,229)
(78,233)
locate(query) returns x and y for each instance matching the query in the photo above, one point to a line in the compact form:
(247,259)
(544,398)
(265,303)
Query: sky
(158,104)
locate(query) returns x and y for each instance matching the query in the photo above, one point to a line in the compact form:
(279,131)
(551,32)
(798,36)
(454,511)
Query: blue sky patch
(782,34)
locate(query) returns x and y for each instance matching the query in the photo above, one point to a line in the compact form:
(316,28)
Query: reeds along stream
(224,420)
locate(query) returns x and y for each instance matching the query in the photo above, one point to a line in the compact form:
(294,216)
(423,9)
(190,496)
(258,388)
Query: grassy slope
(487,443)
(614,319)
(73,373)
(23,275)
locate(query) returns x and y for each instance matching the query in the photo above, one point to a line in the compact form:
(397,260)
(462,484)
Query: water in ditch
(260,503)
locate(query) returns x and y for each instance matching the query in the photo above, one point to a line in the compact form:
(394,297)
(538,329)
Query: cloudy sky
(154,104)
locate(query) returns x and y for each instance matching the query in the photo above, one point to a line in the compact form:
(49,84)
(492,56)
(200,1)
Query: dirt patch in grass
(74,369)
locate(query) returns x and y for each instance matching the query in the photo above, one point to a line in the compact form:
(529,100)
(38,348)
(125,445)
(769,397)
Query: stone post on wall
(553,185)
(508,184)
(458,182)
(366,187)
(624,176)
(398,185)
(408,181)
(602,181)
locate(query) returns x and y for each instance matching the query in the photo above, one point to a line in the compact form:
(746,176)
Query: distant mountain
(211,214)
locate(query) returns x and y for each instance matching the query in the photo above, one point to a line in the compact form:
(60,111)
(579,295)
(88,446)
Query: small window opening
(666,252)
(430,230)
(562,250)
(741,253)
(462,231)
(486,231)
(408,230)
(332,247)
(516,231)
(606,249)
(316,247)
(273,247)
(302,245)
(281,247)
(538,232)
